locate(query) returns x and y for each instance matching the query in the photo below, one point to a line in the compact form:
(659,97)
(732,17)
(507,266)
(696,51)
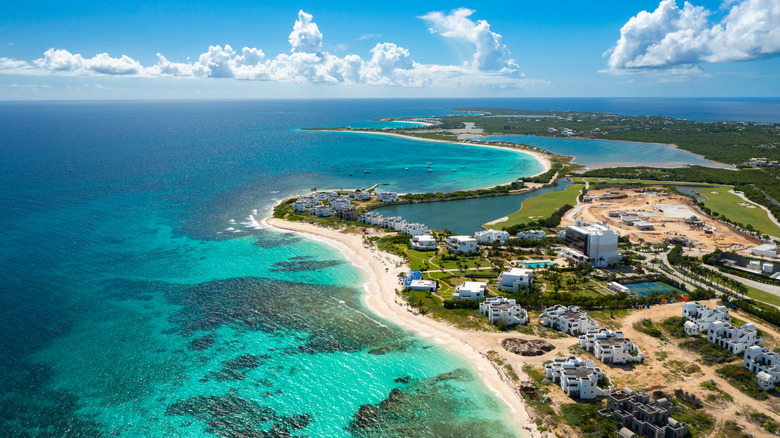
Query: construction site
(657,217)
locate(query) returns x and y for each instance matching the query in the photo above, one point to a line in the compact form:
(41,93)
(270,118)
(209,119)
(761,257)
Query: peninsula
(636,261)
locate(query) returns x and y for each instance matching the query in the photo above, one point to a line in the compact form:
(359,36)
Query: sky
(192,49)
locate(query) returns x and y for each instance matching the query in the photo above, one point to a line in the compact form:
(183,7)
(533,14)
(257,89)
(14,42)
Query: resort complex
(662,294)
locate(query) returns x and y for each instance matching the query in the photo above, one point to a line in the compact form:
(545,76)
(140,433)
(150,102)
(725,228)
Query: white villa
(423,243)
(305,203)
(594,243)
(340,203)
(470,290)
(570,320)
(322,211)
(461,244)
(532,234)
(734,339)
(490,236)
(387,197)
(326,196)
(577,378)
(395,223)
(765,364)
(371,218)
(700,317)
(500,308)
(415,229)
(514,279)
(360,195)
(430,285)
(610,347)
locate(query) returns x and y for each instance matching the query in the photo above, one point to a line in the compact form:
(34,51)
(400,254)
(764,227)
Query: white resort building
(490,236)
(326,196)
(415,229)
(594,243)
(371,218)
(610,347)
(461,244)
(618,288)
(340,203)
(577,378)
(305,203)
(387,197)
(532,234)
(570,320)
(469,290)
(503,309)
(430,285)
(765,364)
(734,339)
(322,211)
(514,279)
(700,317)
(425,242)
(360,195)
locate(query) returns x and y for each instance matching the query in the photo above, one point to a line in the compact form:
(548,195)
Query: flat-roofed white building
(371,218)
(387,197)
(395,223)
(643,225)
(765,364)
(469,290)
(490,236)
(594,241)
(700,317)
(360,195)
(340,203)
(503,309)
(461,244)
(415,229)
(326,196)
(577,378)
(305,203)
(570,320)
(514,279)
(610,347)
(430,285)
(425,242)
(734,339)
(532,234)
(322,211)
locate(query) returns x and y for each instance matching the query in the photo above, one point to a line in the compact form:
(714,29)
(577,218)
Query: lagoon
(597,154)
(465,216)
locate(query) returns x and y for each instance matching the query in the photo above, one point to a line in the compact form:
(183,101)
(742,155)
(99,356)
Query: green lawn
(641,181)
(727,204)
(540,207)
(763,296)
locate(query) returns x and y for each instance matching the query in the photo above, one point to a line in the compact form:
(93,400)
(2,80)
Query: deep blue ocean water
(139,298)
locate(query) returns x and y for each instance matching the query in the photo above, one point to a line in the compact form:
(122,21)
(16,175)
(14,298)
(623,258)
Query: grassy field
(540,206)
(727,204)
(640,181)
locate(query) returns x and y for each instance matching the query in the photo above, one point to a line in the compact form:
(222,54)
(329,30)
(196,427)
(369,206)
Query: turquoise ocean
(140,298)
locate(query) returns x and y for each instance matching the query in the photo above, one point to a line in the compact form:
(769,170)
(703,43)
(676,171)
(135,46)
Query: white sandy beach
(541,158)
(381,298)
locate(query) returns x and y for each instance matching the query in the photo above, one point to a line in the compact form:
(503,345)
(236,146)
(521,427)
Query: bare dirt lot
(667,214)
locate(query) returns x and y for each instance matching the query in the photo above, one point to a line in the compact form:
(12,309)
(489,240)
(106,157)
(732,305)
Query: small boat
(462,167)
(454,170)
(406,168)
(429,170)
(429,163)
(366,171)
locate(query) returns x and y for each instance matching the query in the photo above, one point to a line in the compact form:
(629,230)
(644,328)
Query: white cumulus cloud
(490,53)
(389,63)
(678,39)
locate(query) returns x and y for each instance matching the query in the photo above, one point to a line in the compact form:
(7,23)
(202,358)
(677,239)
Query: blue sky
(73,50)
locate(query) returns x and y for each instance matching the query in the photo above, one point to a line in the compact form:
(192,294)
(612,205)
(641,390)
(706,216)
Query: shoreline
(380,297)
(540,158)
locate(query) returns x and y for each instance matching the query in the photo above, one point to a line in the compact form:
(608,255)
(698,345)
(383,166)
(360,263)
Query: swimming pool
(648,288)
(538,264)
